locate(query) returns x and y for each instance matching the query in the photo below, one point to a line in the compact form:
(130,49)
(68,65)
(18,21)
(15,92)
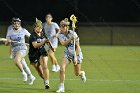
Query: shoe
(24,76)
(60,90)
(46,83)
(47,86)
(83,76)
(57,68)
(53,68)
(31,80)
(11,56)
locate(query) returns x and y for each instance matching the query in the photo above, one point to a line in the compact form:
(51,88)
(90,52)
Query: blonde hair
(38,23)
(65,22)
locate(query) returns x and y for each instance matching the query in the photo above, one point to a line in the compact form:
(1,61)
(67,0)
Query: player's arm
(36,45)
(33,40)
(27,33)
(58,31)
(77,45)
(7,42)
(65,42)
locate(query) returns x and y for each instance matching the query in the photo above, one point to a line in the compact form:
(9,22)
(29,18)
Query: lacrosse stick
(74,20)
(4,40)
(50,44)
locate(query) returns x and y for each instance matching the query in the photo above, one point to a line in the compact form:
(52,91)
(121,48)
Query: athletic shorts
(71,57)
(34,58)
(23,53)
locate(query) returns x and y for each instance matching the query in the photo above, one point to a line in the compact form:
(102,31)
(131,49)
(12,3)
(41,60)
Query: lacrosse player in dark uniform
(38,56)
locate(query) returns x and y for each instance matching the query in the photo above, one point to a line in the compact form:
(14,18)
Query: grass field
(109,69)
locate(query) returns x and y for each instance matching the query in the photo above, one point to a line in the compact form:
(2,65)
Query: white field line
(5,78)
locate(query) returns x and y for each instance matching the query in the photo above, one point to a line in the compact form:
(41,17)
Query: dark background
(85,10)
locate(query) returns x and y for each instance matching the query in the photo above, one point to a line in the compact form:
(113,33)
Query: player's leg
(10,52)
(43,62)
(38,68)
(27,70)
(63,66)
(77,68)
(17,59)
(55,66)
(78,72)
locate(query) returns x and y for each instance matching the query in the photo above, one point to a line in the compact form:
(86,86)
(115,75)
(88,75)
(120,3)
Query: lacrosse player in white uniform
(51,30)
(19,49)
(66,38)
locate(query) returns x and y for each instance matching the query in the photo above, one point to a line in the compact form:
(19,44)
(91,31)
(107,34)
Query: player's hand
(46,41)
(8,40)
(73,36)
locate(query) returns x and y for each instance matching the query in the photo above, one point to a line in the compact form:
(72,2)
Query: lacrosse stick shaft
(4,39)
(50,44)
(74,20)
(74,39)
(20,42)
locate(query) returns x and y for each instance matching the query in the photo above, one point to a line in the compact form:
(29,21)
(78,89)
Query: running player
(38,56)
(51,30)
(66,38)
(19,50)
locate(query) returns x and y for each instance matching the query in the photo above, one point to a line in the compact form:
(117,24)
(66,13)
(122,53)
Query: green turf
(109,69)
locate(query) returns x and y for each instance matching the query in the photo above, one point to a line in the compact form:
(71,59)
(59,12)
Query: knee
(45,67)
(62,68)
(17,60)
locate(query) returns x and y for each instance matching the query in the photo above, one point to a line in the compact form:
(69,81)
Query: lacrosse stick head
(73,18)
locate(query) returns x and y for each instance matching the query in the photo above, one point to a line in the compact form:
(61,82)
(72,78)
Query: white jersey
(18,36)
(50,32)
(69,46)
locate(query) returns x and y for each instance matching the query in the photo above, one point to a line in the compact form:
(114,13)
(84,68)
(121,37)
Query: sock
(46,81)
(23,72)
(25,67)
(62,85)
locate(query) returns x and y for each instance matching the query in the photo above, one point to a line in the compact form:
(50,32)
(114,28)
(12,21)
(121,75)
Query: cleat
(46,83)
(60,90)
(11,56)
(24,77)
(57,68)
(53,68)
(83,77)
(47,86)
(31,81)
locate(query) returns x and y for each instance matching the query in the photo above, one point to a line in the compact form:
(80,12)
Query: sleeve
(33,38)
(60,37)
(56,26)
(27,33)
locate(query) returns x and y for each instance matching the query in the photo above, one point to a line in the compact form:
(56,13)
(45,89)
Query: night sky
(85,10)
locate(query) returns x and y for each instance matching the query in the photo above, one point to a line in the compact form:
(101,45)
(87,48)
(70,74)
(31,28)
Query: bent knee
(45,67)
(16,60)
(62,69)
